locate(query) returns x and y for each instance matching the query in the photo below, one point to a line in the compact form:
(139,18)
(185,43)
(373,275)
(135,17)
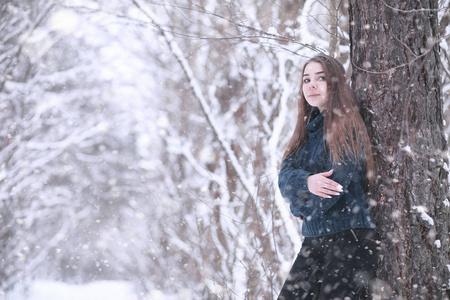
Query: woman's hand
(320,185)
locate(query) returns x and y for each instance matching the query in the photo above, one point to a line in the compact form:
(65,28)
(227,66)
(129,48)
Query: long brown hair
(345,133)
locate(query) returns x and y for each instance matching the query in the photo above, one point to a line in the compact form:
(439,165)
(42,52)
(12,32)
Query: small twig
(410,11)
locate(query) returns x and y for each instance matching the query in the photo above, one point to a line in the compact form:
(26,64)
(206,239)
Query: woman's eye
(306,80)
(322,78)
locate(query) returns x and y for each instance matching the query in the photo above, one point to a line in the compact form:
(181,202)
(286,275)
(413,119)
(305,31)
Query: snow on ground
(100,290)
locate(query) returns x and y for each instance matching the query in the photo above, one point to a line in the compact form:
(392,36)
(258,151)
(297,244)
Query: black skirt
(337,266)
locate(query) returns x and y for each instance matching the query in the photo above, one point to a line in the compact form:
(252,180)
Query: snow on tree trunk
(396,76)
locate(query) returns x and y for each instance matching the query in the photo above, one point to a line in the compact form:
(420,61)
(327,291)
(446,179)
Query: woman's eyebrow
(321,72)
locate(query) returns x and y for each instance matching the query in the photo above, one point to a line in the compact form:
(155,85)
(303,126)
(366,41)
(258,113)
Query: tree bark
(396,76)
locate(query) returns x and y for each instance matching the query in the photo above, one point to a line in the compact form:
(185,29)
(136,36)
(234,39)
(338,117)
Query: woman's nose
(312,86)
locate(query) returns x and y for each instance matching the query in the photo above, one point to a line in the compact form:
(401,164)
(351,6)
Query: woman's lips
(313,95)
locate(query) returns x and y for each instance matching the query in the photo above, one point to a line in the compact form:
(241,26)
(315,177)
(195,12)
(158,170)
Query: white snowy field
(101,290)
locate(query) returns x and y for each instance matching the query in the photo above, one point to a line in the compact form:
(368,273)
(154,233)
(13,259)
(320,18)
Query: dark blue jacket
(323,216)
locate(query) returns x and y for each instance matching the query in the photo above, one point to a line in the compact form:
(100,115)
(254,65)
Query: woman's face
(315,87)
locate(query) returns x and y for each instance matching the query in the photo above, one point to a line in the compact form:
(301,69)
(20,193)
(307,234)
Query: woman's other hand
(320,185)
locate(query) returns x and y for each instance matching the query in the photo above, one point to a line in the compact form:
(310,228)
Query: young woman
(326,167)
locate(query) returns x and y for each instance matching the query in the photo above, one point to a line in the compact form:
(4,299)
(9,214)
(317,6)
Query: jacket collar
(316,124)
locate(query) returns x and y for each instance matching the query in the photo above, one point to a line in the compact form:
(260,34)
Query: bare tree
(67,166)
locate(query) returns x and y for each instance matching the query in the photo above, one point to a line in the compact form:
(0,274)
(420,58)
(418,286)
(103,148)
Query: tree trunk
(396,76)
(333,21)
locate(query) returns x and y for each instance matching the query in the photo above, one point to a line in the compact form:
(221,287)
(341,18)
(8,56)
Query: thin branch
(263,34)
(248,27)
(411,10)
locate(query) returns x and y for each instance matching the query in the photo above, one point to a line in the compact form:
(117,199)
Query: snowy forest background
(140,140)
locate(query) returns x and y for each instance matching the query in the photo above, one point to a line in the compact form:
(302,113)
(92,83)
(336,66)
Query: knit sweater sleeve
(293,186)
